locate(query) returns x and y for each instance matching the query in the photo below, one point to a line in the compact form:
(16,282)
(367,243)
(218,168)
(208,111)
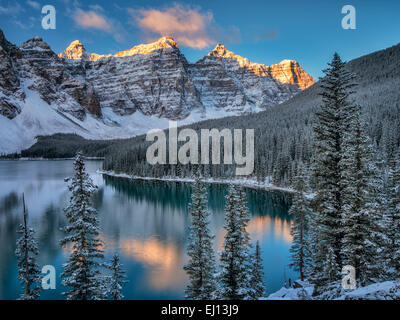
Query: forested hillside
(283,133)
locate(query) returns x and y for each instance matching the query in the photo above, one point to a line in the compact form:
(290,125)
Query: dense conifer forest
(283,134)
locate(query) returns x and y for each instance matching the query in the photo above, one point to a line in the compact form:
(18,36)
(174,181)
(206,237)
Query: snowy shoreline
(248,183)
(46,159)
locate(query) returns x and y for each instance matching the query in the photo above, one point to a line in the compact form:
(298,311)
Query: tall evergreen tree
(392,220)
(234,274)
(257,286)
(375,205)
(81,272)
(201,267)
(328,139)
(359,218)
(27,249)
(300,210)
(117,278)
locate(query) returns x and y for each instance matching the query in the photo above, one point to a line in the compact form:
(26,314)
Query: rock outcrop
(74,51)
(10,87)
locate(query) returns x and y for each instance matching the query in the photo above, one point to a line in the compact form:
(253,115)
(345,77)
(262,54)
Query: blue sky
(265,31)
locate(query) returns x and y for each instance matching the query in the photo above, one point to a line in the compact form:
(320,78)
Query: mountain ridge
(286,71)
(128,93)
(77,51)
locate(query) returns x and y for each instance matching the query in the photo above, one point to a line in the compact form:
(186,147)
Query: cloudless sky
(265,31)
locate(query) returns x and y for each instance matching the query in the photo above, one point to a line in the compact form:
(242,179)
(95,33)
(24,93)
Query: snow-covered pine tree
(300,211)
(246,242)
(234,257)
(318,257)
(201,267)
(328,138)
(257,285)
(27,249)
(331,271)
(244,218)
(376,204)
(392,220)
(359,248)
(314,269)
(117,278)
(82,274)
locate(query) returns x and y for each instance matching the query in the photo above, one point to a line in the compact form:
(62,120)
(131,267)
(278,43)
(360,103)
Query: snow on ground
(305,292)
(36,118)
(245,182)
(388,290)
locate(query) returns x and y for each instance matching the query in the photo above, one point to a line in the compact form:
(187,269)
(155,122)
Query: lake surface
(146,222)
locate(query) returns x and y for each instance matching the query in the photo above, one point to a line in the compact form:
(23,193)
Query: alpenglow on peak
(76,50)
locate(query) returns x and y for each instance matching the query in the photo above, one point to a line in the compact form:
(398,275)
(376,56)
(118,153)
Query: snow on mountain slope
(130,92)
(38,118)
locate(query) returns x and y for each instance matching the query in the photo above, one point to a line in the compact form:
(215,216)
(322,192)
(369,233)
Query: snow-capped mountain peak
(287,71)
(35,43)
(220,51)
(162,43)
(74,51)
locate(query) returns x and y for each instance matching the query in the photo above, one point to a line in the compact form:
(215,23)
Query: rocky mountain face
(34,66)
(226,80)
(156,79)
(10,86)
(98,93)
(152,79)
